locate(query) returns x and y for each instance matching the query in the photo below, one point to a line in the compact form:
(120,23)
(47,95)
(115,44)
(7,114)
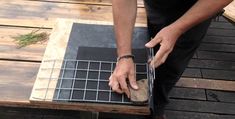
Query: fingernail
(135,87)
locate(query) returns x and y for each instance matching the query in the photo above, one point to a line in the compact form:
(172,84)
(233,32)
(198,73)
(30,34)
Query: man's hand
(125,70)
(167,38)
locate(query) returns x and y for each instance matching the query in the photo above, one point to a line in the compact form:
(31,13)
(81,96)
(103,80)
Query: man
(176,27)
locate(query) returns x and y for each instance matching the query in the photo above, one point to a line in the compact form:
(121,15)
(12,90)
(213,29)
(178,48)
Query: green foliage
(31,38)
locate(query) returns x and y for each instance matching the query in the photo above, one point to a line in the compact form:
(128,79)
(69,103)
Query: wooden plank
(221,25)
(8,47)
(230,11)
(218,74)
(195,115)
(188,93)
(221,32)
(221,96)
(206,84)
(125,109)
(219,39)
(223,56)
(217,47)
(48,11)
(16,80)
(55,50)
(192,72)
(202,106)
(99,2)
(212,64)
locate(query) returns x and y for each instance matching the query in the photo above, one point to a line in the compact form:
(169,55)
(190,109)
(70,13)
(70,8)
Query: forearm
(201,11)
(124,15)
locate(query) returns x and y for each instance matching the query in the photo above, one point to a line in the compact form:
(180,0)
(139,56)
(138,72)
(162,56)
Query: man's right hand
(125,70)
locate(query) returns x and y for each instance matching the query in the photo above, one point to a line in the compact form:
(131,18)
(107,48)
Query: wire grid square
(87,81)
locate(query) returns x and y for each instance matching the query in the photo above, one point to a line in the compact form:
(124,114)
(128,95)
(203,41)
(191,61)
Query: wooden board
(55,50)
(230,11)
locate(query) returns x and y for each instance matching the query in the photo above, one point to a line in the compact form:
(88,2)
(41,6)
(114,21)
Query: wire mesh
(87,81)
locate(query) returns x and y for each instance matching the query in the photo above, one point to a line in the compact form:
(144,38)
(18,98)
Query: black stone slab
(89,35)
(221,96)
(84,43)
(108,54)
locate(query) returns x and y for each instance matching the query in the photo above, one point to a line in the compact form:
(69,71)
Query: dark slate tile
(212,64)
(201,106)
(192,72)
(217,47)
(221,96)
(216,55)
(188,93)
(195,115)
(218,74)
(219,39)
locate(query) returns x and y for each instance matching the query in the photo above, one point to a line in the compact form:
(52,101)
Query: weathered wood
(212,64)
(218,74)
(16,80)
(188,93)
(219,39)
(217,47)
(221,32)
(195,115)
(192,72)
(206,84)
(230,11)
(55,50)
(139,110)
(8,47)
(201,106)
(98,2)
(47,10)
(221,96)
(224,56)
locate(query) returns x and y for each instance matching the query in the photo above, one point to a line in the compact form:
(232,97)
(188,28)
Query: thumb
(152,42)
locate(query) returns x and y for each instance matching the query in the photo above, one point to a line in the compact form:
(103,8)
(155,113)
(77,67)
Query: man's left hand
(167,38)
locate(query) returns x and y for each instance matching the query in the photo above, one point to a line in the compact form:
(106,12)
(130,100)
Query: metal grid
(87,81)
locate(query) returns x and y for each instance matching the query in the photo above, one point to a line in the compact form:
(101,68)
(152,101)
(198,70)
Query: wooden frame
(230,11)
(44,90)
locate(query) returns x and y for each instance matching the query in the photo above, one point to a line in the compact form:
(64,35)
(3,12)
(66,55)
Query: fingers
(132,80)
(160,57)
(153,42)
(114,84)
(123,84)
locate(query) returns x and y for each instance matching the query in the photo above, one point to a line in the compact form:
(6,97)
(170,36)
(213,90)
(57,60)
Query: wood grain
(8,47)
(55,50)
(230,11)
(47,11)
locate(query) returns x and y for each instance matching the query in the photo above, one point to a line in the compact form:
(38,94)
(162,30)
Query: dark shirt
(167,10)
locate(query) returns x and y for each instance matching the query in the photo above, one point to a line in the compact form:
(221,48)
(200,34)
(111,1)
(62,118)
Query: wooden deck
(213,63)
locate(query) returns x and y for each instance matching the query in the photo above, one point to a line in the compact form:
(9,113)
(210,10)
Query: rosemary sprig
(33,37)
